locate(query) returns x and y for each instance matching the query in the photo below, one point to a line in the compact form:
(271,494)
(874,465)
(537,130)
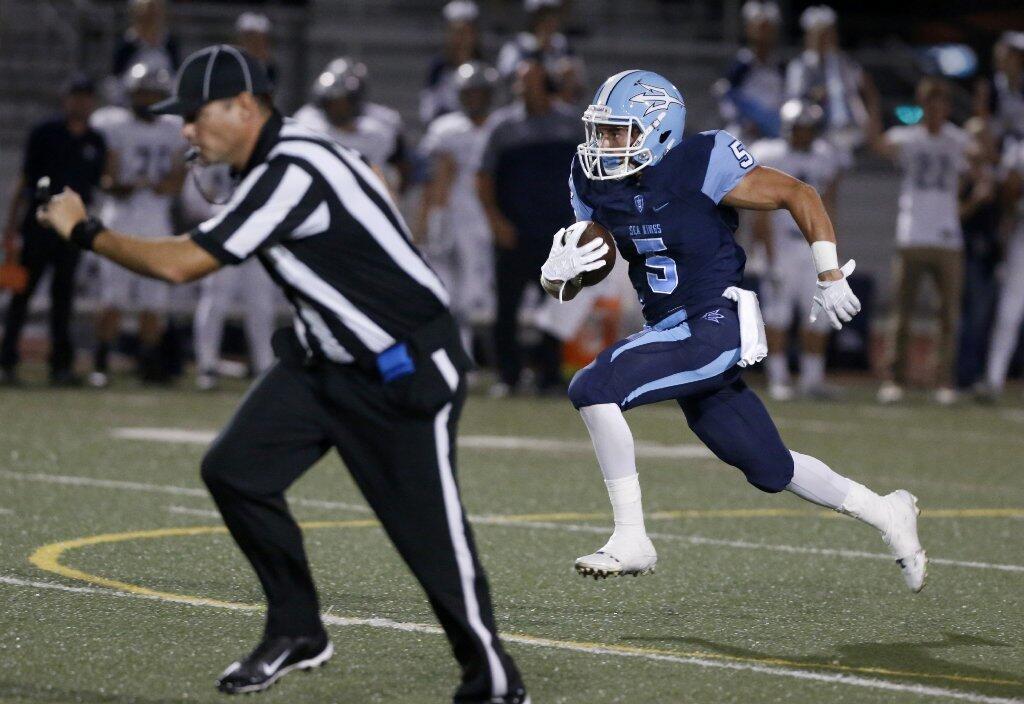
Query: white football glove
(836,299)
(566,260)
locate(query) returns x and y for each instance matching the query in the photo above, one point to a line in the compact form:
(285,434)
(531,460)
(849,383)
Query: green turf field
(757,598)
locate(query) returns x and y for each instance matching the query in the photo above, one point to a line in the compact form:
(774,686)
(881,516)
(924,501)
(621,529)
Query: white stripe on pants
(463,557)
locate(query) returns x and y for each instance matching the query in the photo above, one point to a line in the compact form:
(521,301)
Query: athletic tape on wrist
(825,256)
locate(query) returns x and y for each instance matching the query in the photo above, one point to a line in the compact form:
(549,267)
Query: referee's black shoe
(272,659)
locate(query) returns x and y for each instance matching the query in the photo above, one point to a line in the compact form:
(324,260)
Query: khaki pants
(945,267)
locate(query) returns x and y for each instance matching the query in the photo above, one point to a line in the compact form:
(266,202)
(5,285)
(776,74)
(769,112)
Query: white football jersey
(376,135)
(457,136)
(146,150)
(931,164)
(818,166)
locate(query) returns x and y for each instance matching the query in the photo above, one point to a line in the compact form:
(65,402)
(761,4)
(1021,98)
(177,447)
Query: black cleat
(272,659)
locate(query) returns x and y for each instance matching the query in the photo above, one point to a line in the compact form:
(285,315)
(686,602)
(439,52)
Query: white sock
(812,370)
(865,505)
(612,438)
(777,368)
(627,507)
(613,443)
(814,481)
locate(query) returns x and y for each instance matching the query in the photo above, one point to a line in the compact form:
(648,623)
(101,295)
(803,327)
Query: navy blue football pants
(691,357)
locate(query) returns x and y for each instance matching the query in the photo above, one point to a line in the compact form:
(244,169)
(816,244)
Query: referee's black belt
(400,360)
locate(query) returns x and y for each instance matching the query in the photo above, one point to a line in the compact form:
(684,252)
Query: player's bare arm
(766,188)
(173,259)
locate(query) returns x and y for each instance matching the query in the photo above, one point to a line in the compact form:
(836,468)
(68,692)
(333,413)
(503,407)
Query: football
(592,232)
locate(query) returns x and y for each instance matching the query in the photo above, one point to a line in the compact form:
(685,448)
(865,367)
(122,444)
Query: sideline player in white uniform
(791,283)
(932,156)
(145,166)
(246,287)
(340,110)
(1010,311)
(454,232)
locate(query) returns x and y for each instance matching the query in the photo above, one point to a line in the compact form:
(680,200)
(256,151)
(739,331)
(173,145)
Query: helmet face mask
(648,107)
(613,162)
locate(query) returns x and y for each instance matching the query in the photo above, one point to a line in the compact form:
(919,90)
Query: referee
(372,366)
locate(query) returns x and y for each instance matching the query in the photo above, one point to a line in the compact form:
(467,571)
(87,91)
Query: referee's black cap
(220,71)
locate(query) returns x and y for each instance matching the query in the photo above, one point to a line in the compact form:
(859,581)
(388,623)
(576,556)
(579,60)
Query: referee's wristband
(84,234)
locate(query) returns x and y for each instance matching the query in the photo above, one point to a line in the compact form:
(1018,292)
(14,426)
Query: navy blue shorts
(684,354)
(691,357)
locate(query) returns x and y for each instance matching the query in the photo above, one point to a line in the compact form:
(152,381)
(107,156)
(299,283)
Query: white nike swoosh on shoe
(272,668)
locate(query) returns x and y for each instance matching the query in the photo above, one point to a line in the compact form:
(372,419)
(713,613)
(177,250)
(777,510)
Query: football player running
(670,202)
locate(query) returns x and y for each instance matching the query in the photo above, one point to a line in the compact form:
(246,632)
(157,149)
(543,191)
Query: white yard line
(740,544)
(473,442)
(644,450)
(502,521)
(161,489)
(776,671)
(186,511)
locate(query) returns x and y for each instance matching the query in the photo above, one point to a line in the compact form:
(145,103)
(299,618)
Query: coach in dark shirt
(71,154)
(523,185)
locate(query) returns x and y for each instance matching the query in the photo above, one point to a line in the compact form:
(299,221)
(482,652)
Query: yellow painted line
(973,513)
(48,558)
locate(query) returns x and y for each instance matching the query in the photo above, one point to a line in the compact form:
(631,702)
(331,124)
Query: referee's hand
(62,212)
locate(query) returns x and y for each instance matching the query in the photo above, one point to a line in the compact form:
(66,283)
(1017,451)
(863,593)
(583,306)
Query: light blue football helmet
(649,106)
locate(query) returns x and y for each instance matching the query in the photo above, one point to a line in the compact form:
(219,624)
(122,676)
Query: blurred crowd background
(909,119)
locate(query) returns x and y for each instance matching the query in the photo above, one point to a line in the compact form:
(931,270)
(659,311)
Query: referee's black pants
(403,462)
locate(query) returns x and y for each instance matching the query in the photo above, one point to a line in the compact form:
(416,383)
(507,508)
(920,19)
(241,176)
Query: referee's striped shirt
(323,224)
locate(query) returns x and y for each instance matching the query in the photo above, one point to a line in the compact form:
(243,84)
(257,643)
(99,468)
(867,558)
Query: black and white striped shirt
(325,227)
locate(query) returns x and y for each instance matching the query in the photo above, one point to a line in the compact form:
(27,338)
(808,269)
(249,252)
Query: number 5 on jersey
(664,279)
(746,161)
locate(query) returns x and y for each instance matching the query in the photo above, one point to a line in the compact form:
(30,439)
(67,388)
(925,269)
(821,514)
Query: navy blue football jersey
(668,221)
